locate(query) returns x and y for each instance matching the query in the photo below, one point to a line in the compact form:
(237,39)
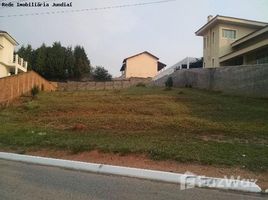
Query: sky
(166,30)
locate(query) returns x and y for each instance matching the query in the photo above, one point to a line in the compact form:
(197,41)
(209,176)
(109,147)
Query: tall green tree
(82,66)
(69,63)
(101,74)
(40,57)
(55,62)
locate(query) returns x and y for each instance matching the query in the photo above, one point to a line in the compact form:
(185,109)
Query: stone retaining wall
(109,85)
(251,80)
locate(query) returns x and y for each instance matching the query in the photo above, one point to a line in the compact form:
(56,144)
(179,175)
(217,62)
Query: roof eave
(200,31)
(160,66)
(145,52)
(229,19)
(250,36)
(9,37)
(123,68)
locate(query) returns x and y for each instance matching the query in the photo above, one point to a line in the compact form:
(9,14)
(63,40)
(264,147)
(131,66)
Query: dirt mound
(79,127)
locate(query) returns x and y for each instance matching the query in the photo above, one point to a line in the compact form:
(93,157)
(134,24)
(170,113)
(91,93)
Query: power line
(89,9)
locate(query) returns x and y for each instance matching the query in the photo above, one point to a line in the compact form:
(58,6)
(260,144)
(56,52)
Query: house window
(213,62)
(208,41)
(213,37)
(204,42)
(262,60)
(230,34)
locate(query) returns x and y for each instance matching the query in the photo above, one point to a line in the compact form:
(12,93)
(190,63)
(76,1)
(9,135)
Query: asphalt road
(19,181)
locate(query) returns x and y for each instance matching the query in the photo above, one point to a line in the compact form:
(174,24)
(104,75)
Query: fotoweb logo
(189,180)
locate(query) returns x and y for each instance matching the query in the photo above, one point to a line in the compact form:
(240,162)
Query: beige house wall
(220,46)
(250,52)
(3,71)
(142,66)
(211,48)
(7,62)
(6,53)
(225,43)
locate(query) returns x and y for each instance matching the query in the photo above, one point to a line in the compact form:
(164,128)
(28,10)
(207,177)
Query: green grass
(185,125)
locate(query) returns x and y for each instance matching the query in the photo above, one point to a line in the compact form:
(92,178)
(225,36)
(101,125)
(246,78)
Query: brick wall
(251,80)
(14,86)
(109,85)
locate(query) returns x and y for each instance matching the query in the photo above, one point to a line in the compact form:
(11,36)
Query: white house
(184,63)
(9,62)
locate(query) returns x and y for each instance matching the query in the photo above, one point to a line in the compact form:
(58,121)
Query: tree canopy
(57,62)
(101,74)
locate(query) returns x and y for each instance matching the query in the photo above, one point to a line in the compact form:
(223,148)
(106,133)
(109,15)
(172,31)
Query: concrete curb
(187,181)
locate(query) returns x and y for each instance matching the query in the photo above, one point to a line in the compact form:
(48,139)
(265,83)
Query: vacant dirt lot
(181,125)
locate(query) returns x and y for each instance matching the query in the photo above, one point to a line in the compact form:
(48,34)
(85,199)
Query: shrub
(34,91)
(169,82)
(101,74)
(188,86)
(140,85)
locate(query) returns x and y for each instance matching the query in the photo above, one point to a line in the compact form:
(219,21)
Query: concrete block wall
(109,85)
(250,80)
(14,86)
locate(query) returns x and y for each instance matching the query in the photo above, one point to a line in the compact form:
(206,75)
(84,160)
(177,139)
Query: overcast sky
(166,30)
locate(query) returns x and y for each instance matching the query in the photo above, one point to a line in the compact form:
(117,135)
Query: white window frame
(262,60)
(228,29)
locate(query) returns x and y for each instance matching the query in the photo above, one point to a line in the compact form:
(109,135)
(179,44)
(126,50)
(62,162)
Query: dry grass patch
(183,125)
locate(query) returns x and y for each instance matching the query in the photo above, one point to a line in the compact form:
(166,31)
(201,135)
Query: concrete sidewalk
(185,180)
(21,181)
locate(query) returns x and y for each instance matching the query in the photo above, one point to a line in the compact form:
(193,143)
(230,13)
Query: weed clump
(34,91)
(140,85)
(188,86)
(169,83)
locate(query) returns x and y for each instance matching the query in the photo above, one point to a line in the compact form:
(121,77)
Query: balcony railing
(19,61)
